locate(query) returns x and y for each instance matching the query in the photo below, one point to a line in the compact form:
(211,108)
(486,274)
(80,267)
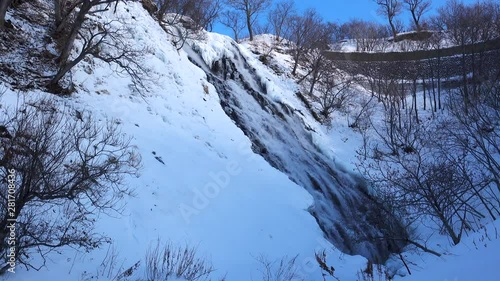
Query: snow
(475,258)
(211,191)
(202,185)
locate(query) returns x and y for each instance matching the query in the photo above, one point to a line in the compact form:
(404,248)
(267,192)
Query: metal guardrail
(414,55)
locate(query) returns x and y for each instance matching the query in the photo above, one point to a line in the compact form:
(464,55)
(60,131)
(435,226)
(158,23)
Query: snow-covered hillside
(201,184)
(232,164)
(476,258)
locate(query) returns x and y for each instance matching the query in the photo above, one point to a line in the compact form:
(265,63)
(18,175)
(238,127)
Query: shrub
(165,262)
(284,269)
(63,173)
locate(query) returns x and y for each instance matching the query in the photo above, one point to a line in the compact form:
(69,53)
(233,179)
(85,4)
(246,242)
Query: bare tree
(368,35)
(278,17)
(417,9)
(390,9)
(316,64)
(418,180)
(469,24)
(283,269)
(444,171)
(476,134)
(64,172)
(262,28)
(104,42)
(232,20)
(251,10)
(360,119)
(185,19)
(435,42)
(78,18)
(212,9)
(203,13)
(307,33)
(150,6)
(181,29)
(62,11)
(70,18)
(333,93)
(336,33)
(317,68)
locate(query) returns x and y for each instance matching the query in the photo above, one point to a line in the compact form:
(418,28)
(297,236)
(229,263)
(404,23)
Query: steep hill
(202,182)
(234,163)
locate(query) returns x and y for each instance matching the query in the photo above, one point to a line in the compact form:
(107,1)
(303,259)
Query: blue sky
(343,10)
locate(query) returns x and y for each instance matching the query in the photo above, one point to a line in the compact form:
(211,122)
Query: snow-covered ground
(201,184)
(475,258)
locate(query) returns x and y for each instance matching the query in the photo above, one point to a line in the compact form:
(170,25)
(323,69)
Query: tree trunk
(315,75)
(425,94)
(422,247)
(4,5)
(474,74)
(465,86)
(415,99)
(439,82)
(249,26)
(402,93)
(57,12)
(446,225)
(453,235)
(77,25)
(236,37)
(393,29)
(417,25)
(63,69)
(296,62)
(59,75)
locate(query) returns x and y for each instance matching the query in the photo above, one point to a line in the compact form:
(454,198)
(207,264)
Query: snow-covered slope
(475,258)
(233,164)
(201,184)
